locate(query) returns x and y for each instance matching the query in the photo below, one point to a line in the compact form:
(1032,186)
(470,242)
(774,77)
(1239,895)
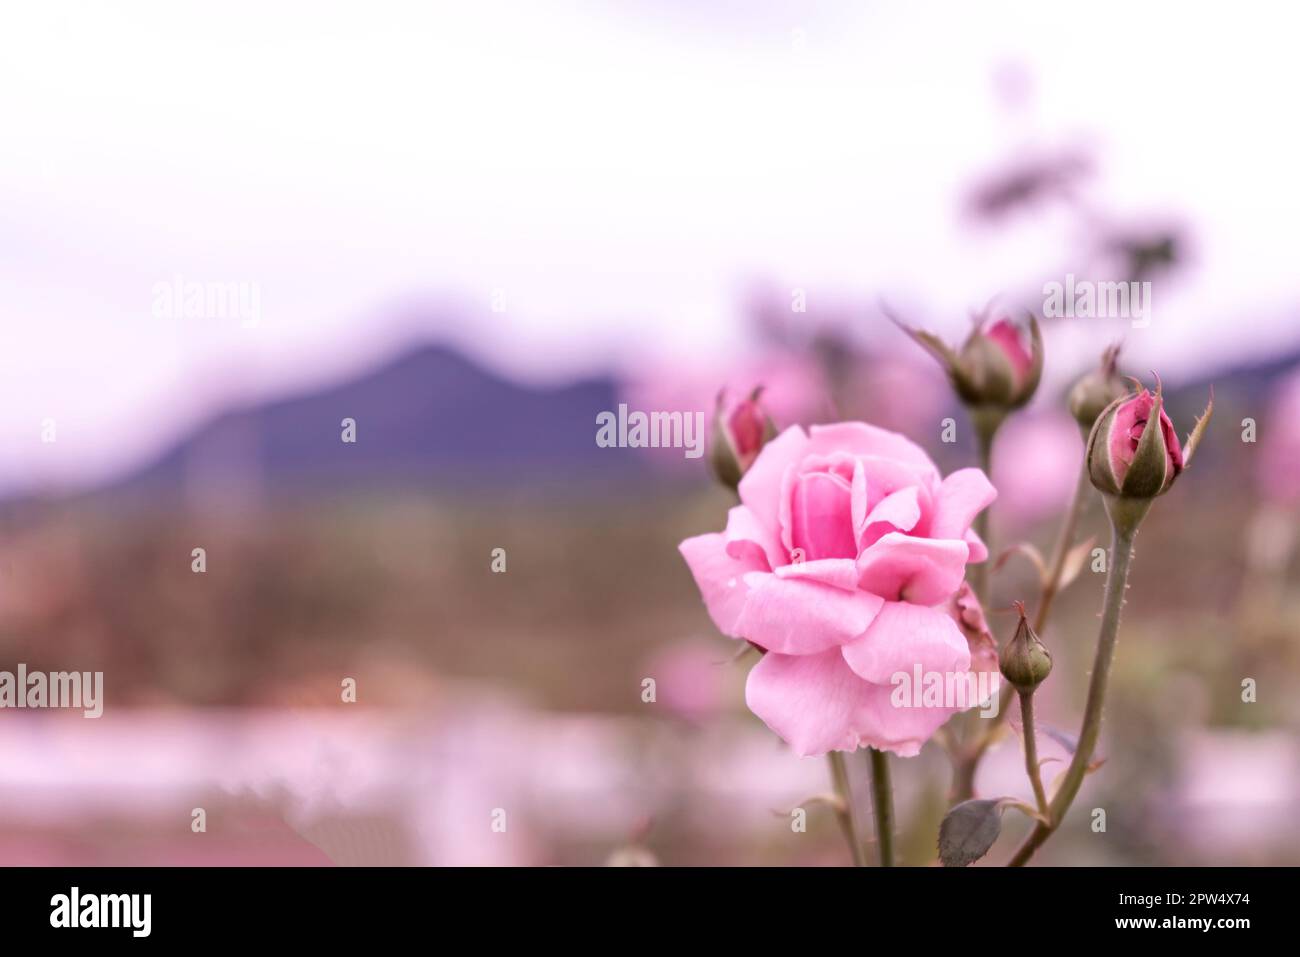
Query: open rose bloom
(844,562)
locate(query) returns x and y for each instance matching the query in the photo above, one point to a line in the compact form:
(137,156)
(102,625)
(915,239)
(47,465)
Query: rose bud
(995,368)
(1130,463)
(739,433)
(1025,661)
(1096,390)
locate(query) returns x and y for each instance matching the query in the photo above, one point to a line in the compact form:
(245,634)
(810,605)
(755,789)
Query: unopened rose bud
(1128,459)
(740,431)
(1000,367)
(1025,660)
(1096,390)
(996,370)
(1132,463)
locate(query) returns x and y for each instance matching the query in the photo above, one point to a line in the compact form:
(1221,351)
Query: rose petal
(800,616)
(719,574)
(839,572)
(920,570)
(900,511)
(860,498)
(961,496)
(1125,431)
(903,636)
(902,728)
(815,703)
(743,527)
(862,439)
(760,489)
(821,517)
(1007,336)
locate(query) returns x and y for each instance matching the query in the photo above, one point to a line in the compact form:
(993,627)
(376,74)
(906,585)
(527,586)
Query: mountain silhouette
(430,418)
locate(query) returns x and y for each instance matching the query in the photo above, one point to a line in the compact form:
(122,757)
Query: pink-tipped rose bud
(1129,457)
(999,364)
(996,369)
(740,430)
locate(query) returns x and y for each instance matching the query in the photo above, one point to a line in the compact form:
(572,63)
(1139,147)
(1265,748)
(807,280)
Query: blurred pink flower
(839,563)
(1279,458)
(1036,465)
(794,388)
(690,680)
(1235,794)
(900,394)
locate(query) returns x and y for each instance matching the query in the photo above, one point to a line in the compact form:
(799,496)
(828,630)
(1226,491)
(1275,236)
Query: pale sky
(615,172)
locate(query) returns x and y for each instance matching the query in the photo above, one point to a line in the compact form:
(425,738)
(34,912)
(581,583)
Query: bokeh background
(474,227)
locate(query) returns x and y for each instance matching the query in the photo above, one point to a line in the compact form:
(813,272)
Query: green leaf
(1071,744)
(1198,431)
(1036,360)
(927,340)
(1074,561)
(1028,551)
(969,830)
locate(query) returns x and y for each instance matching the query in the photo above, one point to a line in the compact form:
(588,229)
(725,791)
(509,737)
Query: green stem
(845,812)
(1031,750)
(979,572)
(973,739)
(963,783)
(1064,542)
(882,805)
(1121,554)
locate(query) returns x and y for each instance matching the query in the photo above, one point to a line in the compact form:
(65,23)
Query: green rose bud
(1097,390)
(1025,660)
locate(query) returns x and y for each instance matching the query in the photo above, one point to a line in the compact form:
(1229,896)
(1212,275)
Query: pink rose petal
(921,570)
(799,616)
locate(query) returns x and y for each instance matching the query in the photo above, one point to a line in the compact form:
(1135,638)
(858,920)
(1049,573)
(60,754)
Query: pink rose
(840,563)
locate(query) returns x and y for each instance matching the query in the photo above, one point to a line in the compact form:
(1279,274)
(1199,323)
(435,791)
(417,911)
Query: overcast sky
(614,174)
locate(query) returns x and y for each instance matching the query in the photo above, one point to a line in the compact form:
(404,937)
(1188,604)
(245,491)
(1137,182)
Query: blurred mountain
(433,419)
(429,418)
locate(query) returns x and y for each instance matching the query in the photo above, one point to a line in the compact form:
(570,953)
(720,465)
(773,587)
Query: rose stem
(1121,554)
(1064,542)
(979,572)
(845,811)
(963,787)
(1031,750)
(882,805)
(986,427)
